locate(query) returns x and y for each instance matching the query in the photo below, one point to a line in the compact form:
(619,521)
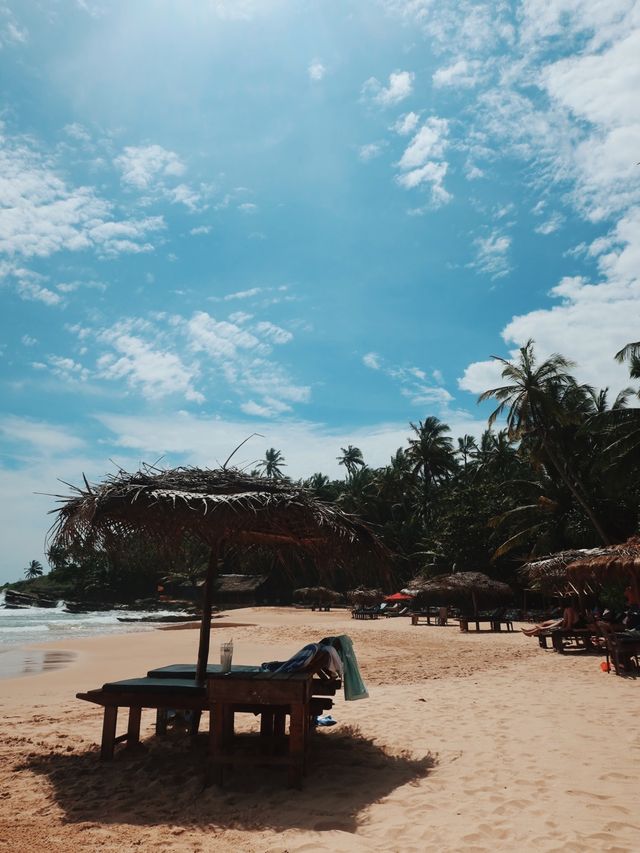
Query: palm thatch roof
(237,584)
(549,574)
(214,505)
(609,563)
(461,588)
(318,594)
(365,597)
(217,506)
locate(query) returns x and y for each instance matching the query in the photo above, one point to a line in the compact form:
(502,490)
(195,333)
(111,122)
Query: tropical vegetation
(556,468)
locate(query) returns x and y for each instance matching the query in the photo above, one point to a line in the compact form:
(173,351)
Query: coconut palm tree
(539,400)
(431,454)
(466,448)
(351,459)
(33,570)
(272,464)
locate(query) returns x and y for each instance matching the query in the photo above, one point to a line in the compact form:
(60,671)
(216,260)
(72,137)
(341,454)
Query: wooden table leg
(215,773)
(133,727)
(108,732)
(297,743)
(161,722)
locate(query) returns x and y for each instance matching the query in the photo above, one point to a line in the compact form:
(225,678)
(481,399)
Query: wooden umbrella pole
(205,625)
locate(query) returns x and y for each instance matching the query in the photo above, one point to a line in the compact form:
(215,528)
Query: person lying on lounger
(570,619)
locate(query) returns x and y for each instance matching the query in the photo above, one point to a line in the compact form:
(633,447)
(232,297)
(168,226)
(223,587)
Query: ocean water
(43,624)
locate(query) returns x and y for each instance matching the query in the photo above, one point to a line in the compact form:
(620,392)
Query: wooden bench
(173,688)
(360,613)
(562,639)
(494,624)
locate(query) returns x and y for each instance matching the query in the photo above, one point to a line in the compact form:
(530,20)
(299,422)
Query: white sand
(468,742)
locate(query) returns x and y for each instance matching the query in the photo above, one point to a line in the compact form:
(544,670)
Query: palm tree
(466,448)
(272,464)
(351,459)
(539,400)
(33,570)
(431,455)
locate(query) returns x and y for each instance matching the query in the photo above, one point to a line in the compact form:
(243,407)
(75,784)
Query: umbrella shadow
(163,783)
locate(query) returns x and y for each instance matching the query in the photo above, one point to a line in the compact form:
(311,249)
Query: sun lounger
(563,639)
(136,694)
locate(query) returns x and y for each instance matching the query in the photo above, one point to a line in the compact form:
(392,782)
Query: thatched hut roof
(239,584)
(549,574)
(610,562)
(461,588)
(365,597)
(215,505)
(319,594)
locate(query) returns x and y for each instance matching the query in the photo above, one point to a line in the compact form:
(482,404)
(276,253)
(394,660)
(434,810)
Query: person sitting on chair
(570,619)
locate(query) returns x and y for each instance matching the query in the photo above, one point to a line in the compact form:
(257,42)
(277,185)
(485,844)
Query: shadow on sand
(163,783)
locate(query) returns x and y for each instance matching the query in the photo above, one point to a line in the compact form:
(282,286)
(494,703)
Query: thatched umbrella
(317,594)
(610,562)
(549,574)
(219,507)
(462,587)
(365,597)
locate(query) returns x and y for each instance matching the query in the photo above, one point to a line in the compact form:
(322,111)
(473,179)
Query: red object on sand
(399,596)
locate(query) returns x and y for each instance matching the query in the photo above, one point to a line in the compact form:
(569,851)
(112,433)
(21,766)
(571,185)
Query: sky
(308,219)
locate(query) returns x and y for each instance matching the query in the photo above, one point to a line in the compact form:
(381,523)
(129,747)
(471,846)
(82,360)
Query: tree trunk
(205,625)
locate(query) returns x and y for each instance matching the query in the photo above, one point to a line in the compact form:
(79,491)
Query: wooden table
(273,696)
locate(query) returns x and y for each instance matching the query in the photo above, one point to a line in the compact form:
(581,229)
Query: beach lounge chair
(138,693)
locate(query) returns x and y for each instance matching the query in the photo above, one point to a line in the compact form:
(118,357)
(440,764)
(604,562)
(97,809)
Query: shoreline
(483,742)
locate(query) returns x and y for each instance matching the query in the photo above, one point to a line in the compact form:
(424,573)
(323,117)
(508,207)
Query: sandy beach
(467,742)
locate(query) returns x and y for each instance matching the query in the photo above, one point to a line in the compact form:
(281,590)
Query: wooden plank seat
(494,624)
(163,692)
(363,613)
(562,639)
(136,694)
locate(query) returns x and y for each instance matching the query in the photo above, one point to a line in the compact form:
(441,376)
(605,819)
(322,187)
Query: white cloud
(473,172)
(553,223)
(11,32)
(248,207)
(370,151)
(243,294)
(428,143)
(406,124)
(371,360)
(316,70)
(200,230)
(142,165)
(45,437)
(492,255)
(422,163)
(28,341)
(274,333)
(42,215)
(399,88)
(155,372)
(462,74)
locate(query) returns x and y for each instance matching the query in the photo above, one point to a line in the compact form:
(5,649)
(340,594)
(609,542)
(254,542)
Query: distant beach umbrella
(365,597)
(462,588)
(317,595)
(399,596)
(221,507)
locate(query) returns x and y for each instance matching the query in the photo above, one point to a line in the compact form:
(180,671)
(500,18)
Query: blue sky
(312,220)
